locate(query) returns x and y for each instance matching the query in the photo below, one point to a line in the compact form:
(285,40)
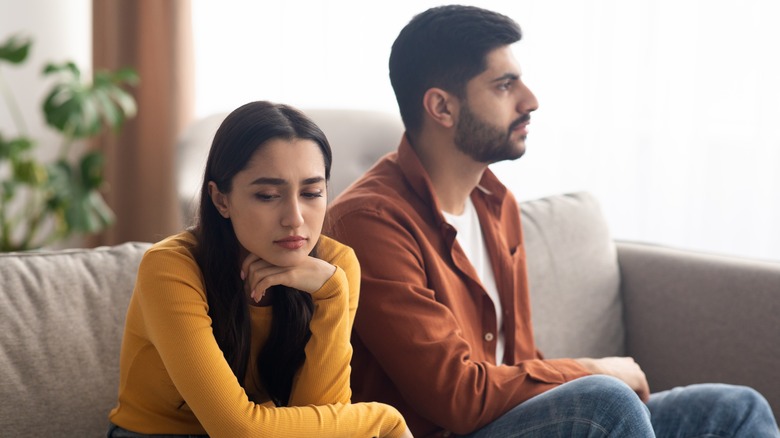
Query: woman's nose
(292,217)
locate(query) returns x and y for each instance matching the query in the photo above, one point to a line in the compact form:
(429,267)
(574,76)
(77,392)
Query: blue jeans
(600,406)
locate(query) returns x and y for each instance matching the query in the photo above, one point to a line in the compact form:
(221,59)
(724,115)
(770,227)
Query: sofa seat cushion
(60,334)
(574,277)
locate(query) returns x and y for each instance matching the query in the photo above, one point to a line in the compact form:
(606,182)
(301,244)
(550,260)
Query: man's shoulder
(381,201)
(381,187)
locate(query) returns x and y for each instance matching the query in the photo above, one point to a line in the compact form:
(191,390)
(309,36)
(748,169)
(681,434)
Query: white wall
(61,30)
(667,110)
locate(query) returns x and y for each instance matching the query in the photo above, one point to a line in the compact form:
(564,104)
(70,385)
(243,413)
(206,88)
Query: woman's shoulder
(181,242)
(169,260)
(335,252)
(175,247)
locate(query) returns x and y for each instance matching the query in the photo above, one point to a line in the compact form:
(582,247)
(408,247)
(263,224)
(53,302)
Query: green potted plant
(42,203)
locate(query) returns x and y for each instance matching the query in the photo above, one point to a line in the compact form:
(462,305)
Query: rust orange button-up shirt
(425,332)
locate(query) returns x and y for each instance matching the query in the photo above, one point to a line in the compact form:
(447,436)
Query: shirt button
(489,337)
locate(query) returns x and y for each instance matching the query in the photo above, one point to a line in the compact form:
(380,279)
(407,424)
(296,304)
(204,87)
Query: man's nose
(526,101)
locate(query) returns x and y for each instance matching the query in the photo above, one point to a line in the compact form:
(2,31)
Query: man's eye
(505,86)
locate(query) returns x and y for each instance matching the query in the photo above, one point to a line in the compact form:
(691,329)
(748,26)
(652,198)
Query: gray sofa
(686,317)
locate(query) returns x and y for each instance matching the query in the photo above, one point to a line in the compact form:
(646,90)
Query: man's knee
(748,396)
(604,397)
(607,402)
(748,400)
(719,409)
(728,397)
(604,388)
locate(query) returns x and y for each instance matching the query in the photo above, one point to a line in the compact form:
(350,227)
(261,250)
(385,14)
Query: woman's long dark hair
(217,250)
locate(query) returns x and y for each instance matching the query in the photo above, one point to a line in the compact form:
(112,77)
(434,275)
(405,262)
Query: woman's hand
(259,275)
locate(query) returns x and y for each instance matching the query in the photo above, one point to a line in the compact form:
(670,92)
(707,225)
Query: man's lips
(292,242)
(521,124)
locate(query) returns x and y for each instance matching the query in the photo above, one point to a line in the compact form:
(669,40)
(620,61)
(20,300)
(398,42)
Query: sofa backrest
(574,277)
(63,315)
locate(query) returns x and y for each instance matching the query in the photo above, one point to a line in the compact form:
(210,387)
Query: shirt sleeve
(324,376)
(175,313)
(417,339)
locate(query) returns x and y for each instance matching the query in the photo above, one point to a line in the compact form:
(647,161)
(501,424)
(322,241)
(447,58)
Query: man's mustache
(519,121)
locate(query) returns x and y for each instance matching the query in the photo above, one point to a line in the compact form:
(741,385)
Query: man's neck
(453,174)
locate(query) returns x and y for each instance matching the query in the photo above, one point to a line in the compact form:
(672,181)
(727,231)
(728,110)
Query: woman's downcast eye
(266,196)
(317,194)
(270,197)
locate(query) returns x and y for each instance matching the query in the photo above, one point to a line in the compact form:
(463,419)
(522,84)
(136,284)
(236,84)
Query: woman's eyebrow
(313,180)
(269,181)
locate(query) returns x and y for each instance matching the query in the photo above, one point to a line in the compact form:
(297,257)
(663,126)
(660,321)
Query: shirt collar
(489,187)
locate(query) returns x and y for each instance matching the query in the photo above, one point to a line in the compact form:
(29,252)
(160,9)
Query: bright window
(666,110)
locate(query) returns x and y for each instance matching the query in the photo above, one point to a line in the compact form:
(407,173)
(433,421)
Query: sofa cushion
(573,276)
(60,334)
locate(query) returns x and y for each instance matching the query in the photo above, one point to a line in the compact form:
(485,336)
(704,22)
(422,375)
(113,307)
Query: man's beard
(484,142)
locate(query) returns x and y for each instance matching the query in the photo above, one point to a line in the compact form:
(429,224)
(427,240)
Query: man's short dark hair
(444,47)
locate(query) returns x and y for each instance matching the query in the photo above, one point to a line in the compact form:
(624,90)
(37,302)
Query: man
(443,330)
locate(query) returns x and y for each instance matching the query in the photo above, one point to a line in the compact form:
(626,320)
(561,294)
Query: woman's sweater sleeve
(324,376)
(175,313)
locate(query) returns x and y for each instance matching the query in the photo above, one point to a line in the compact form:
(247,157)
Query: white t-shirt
(471,240)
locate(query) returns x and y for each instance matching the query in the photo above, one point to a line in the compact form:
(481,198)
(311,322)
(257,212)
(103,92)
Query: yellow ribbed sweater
(174,378)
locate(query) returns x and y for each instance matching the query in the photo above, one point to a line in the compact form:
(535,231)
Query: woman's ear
(219,200)
(440,106)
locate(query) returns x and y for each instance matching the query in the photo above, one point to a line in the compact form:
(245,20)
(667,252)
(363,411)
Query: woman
(240,326)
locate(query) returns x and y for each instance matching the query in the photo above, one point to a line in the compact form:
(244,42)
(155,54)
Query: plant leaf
(14,148)
(125,76)
(92,170)
(15,49)
(59,186)
(9,190)
(69,68)
(80,110)
(88,213)
(112,116)
(29,172)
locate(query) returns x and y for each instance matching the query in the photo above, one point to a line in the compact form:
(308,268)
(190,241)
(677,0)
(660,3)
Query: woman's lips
(292,242)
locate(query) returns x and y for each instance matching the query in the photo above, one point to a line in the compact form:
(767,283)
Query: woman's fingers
(252,262)
(260,278)
(259,275)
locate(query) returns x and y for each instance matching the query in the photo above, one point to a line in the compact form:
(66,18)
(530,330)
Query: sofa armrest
(693,317)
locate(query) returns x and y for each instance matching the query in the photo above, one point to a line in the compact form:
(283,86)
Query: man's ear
(441,106)
(219,200)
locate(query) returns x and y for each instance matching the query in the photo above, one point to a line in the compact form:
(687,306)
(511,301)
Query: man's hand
(259,275)
(624,368)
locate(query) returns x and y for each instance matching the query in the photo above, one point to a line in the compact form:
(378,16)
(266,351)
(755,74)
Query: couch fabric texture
(62,319)
(574,278)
